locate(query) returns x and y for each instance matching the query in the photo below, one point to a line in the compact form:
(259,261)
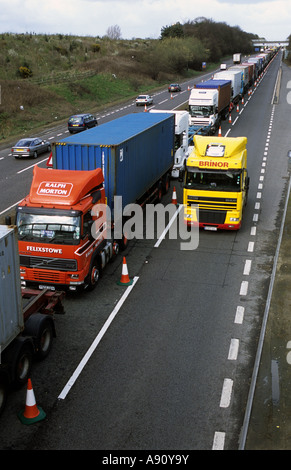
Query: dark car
(30,147)
(81,122)
(174,87)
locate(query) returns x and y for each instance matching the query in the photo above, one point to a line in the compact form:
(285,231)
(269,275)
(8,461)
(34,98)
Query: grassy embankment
(70,74)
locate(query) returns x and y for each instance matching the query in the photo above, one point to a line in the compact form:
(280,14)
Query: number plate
(42,286)
(214,229)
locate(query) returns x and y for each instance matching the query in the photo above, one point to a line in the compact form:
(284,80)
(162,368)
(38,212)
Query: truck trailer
(236,58)
(209,103)
(181,138)
(245,75)
(72,222)
(216,183)
(236,79)
(27,324)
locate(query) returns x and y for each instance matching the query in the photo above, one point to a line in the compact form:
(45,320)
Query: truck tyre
(19,356)
(93,276)
(4,384)
(41,328)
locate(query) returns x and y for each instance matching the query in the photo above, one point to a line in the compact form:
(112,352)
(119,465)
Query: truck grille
(213,203)
(201,123)
(39,262)
(211,217)
(48,277)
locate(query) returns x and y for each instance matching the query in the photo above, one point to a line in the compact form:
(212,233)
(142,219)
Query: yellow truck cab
(216,183)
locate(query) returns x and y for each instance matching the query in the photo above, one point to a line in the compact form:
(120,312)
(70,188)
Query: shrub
(95,47)
(24,72)
(61,50)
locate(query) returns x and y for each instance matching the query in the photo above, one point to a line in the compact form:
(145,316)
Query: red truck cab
(57,246)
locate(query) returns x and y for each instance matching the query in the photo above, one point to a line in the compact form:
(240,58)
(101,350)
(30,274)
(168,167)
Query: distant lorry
(209,103)
(236,58)
(251,72)
(181,138)
(257,66)
(236,79)
(65,236)
(26,318)
(246,78)
(216,183)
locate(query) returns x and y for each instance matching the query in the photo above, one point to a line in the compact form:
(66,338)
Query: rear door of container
(11,316)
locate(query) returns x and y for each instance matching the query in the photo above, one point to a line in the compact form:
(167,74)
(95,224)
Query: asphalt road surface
(168,362)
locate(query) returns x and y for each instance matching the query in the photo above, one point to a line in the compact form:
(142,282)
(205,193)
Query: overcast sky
(270,19)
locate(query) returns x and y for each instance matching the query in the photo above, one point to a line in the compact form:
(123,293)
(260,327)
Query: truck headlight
(234,219)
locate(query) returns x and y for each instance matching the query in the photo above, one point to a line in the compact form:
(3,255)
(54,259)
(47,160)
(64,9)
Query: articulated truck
(72,221)
(209,103)
(27,325)
(237,84)
(216,183)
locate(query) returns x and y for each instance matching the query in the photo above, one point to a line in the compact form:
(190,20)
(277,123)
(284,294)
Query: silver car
(144,99)
(30,147)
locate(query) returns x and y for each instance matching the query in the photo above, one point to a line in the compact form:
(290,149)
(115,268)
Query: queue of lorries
(211,101)
(74,219)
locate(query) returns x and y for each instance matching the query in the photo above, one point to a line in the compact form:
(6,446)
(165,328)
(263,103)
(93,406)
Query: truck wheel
(3,392)
(93,276)
(22,365)
(41,328)
(18,357)
(45,339)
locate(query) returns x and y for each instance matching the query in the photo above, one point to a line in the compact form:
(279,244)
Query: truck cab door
(246,183)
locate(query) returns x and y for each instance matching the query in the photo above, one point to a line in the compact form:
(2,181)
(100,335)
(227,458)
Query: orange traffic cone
(219,131)
(237,108)
(49,162)
(229,119)
(32,413)
(174,196)
(145,108)
(124,281)
(242,100)
(171,96)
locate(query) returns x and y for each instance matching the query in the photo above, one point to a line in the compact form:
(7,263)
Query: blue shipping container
(212,84)
(133,151)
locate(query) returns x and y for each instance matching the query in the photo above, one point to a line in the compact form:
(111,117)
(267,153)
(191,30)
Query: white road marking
(95,343)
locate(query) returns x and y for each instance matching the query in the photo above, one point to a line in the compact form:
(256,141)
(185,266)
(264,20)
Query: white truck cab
(181,138)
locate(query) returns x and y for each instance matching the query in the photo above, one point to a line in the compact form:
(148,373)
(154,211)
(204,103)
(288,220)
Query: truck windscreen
(213,180)
(198,111)
(57,229)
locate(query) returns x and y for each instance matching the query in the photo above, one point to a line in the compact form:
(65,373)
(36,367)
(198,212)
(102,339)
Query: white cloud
(267,18)
(238,2)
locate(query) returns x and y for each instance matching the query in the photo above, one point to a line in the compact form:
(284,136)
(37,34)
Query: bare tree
(113,32)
